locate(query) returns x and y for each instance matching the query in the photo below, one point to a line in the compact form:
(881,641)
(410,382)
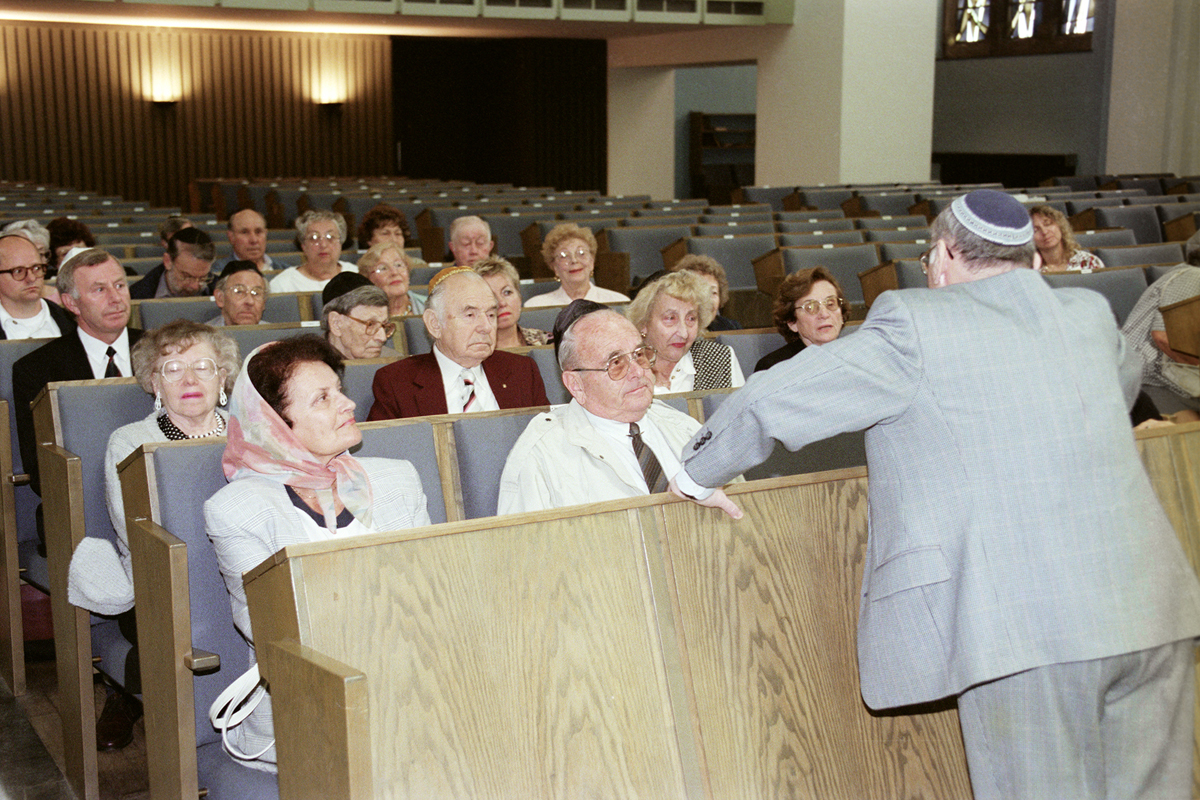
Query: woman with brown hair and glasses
(809,309)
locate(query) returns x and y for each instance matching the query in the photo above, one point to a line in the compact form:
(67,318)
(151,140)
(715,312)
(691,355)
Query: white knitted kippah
(994,216)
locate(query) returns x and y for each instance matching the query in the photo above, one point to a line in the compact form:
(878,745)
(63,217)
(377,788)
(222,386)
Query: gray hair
(92,257)
(313,215)
(977,253)
(1191,250)
(182,334)
(368,260)
(460,222)
(32,230)
(567,345)
(345,303)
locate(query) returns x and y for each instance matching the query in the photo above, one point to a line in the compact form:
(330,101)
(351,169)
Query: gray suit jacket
(1012,523)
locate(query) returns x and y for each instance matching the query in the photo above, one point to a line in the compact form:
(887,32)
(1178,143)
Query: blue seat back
(749,347)
(844,262)
(89,412)
(1121,287)
(410,440)
(483,444)
(547,364)
(736,254)
(644,245)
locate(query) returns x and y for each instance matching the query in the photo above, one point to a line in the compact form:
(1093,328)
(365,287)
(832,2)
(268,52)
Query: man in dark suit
(465,372)
(23,312)
(185,270)
(93,288)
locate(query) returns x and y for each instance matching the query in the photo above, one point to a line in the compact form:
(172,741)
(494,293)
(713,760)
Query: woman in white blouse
(570,250)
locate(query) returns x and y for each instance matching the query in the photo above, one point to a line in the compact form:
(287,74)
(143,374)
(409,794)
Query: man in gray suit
(1018,557)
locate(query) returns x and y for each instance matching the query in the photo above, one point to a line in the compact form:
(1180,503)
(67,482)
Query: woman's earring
(222,400)
(157,403)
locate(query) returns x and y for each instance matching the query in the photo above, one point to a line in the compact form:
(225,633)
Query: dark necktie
(655,480)
(112,370)
(469,390)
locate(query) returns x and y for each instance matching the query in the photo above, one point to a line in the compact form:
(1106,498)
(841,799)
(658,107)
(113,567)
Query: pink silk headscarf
(261,444)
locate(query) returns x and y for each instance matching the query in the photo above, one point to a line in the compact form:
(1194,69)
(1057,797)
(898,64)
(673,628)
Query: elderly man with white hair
(470,240)
(613,440)
(465,372)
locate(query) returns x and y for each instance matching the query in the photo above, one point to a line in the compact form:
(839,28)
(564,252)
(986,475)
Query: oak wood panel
(767,609)
(305,684)
(76,107)
(12,642)
(518,661)
(1172,459)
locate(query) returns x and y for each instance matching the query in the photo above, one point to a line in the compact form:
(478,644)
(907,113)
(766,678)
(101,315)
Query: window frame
(997,42)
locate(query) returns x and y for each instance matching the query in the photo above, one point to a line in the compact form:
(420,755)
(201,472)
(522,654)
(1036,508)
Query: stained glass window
(975,28)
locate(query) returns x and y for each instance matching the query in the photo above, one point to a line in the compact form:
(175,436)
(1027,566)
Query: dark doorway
(530,112)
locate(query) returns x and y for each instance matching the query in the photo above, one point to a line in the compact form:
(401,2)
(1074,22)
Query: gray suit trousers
(1117,727)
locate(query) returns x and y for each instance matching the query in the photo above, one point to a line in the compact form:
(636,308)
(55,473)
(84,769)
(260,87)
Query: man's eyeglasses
(373,326)
(813,307)
(19,273)
(926,257)
(618,366)
(205,369)
(253,291)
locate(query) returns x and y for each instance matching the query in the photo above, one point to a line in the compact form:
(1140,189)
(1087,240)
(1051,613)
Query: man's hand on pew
(718,499)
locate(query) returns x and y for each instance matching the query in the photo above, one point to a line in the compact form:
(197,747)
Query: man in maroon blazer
(465,372)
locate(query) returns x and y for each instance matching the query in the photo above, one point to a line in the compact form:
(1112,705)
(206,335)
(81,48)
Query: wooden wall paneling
(40,55)
(28,134)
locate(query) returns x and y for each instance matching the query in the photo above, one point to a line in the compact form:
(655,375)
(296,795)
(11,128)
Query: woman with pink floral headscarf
(292,479)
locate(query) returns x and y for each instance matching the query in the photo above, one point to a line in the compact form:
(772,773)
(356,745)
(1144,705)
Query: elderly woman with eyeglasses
(321,235)
(386,266)
(669,313)
(570,250)
(809,309)
(189,368)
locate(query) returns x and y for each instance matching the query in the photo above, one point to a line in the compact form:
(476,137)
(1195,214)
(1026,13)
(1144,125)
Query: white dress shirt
(668,459)
(40,326)
(456,394)
(97,353)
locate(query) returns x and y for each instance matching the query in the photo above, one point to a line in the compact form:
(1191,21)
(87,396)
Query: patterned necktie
(112,370)
(468,390)
(651,469)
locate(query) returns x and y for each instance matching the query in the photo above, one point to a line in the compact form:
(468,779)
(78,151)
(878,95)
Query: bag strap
(233,705)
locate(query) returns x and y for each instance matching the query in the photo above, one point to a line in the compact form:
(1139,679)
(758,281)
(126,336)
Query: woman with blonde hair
(669,312)
(1055,242)
(506,285)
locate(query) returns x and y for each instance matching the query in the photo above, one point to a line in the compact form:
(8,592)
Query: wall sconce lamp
(166,70)
(330,88)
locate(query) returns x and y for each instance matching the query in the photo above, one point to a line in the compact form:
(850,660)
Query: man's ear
(432,324)
(335,323)
(574,385)
(69,303)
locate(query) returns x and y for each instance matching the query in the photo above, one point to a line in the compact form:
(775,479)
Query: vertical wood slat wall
(75,107)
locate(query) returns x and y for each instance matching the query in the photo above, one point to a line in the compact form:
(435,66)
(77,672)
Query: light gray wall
(715,90)
(1028,104)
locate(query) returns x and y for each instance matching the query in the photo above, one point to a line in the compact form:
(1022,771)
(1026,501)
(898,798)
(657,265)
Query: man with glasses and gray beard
(612,440)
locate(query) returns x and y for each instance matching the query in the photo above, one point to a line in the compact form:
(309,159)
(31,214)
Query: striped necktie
(468,390)
(112,370)
(652,471)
